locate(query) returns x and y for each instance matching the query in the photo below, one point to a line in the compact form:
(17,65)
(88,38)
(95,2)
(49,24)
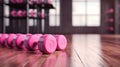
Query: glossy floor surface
(82,51)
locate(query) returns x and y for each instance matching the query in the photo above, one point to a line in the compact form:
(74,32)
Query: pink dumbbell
(111,28)
(3,40)
(20,13)
(19,1)
(61,42)
(26,41)
(111,10)
(11,40)
(33,42)
(14,13)
(20,41)
(110,20)
(47,43)
(13,1)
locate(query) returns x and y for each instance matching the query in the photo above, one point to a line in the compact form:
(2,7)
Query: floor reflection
(11,58)
(86,48)
(82,51)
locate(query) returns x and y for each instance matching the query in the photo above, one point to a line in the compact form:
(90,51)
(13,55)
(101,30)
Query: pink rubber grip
(47,43)
(33,41)
(20,40)
(61,42)
(10,39)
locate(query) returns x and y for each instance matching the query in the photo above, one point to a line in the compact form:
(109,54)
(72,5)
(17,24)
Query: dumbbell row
(46,43)
(17,1)
(23,13)
(31,1)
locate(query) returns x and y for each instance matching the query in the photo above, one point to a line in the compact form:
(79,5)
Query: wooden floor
(82,51)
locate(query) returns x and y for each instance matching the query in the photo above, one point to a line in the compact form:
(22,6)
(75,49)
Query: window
(6,10)
(86,13)
(54,15)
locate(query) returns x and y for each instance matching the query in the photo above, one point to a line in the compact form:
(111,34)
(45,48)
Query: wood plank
(82,51)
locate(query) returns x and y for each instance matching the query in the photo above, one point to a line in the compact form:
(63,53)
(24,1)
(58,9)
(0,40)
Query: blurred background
(63,17)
